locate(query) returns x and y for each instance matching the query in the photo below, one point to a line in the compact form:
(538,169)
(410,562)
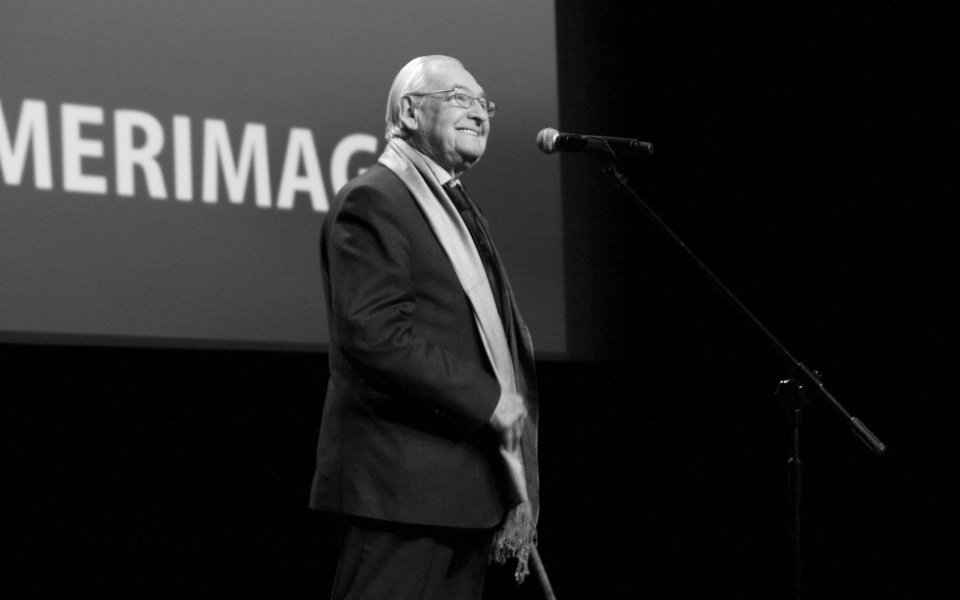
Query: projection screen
(165,166)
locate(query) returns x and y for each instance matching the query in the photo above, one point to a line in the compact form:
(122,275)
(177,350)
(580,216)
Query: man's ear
(408,113)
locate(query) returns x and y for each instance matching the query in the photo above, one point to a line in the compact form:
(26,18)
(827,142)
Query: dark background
(807,152)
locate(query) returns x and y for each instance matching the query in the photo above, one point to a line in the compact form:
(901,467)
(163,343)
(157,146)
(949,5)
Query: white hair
(413,77)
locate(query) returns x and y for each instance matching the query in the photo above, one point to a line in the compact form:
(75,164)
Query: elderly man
(432,381)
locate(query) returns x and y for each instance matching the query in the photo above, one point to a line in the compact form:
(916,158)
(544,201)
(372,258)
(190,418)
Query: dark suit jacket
(404,435)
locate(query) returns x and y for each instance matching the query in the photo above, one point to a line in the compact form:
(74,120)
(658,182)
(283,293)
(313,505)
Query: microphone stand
(793,393)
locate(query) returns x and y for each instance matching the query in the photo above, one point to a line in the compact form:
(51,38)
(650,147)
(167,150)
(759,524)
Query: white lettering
(31,128)
(300,148)
(140,140)
(348,146)
(127,155)
(75,148)
(182,157)
(253,149)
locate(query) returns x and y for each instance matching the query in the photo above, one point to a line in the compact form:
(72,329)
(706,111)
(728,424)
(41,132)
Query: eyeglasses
(463,99)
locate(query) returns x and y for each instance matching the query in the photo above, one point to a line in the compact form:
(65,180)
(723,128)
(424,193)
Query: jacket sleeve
(370,262)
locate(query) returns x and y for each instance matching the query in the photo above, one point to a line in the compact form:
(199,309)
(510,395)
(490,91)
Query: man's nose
(477,111)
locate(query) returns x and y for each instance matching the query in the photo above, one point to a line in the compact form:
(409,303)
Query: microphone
(550,140)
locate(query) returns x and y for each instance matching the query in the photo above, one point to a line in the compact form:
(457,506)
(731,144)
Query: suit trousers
(380,560)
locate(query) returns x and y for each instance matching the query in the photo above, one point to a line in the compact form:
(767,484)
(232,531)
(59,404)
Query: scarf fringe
(515,539)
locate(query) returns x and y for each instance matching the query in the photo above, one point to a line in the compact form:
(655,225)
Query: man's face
(453,136)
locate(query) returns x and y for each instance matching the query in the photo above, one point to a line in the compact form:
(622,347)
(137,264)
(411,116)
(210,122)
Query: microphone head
(547,140)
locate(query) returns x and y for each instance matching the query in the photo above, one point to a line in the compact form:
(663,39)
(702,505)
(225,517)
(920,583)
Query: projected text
(139,139)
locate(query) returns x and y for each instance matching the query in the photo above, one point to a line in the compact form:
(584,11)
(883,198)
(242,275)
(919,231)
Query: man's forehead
(476,90)
(448,75)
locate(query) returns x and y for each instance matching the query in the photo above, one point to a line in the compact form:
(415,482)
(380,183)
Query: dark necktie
(458,195)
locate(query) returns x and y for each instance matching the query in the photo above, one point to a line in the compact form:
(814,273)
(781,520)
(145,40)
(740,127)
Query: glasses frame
(490,108)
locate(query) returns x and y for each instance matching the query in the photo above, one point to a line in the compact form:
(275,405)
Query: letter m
(31,128)
(253,151)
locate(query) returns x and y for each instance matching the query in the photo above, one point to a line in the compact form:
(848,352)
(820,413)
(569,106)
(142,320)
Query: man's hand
(508,419)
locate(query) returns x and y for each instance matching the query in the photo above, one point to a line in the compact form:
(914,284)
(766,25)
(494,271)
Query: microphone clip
(600,149)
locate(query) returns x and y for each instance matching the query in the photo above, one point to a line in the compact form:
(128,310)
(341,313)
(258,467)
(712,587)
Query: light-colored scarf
(517,536)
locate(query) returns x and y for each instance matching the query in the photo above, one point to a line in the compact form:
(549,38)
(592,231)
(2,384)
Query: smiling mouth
(470,131)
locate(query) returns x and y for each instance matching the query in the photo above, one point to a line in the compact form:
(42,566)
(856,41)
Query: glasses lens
(463,100)
(466,101)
